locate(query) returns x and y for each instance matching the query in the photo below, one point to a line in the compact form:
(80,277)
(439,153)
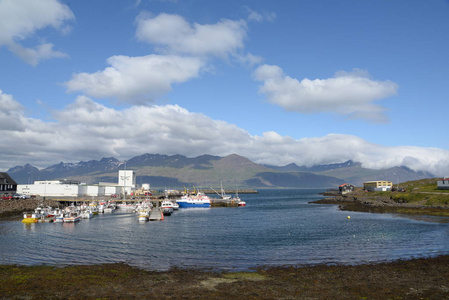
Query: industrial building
(70,188)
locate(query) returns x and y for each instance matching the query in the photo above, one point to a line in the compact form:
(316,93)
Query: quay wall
(15,207)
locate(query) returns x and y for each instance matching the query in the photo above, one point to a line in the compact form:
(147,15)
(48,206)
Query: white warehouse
(71,188)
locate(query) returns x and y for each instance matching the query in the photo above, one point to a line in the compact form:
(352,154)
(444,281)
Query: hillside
(177,171)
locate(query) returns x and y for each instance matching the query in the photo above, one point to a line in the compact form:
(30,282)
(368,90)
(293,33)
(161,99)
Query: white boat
(126,206)
(198,200)
(222,193)
(72,217)
(94,208)
(59,218)
(237,199)
(86,214)
(144,215)
(167,207)
(109,208)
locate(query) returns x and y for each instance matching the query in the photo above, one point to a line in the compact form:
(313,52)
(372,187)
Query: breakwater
(14,207)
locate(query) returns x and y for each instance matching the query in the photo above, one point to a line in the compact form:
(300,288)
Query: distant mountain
(318,168)
(176,171)
(173,161)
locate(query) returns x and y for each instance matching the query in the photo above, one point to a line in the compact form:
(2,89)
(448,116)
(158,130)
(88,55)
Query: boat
(144,214)
(94,208)
(126,206)
(241,203)
(109,208)
(59,218)
(40,214)
(222,193)
(167,207)
(72,217)
(237,199)
(86,214)
(30,217)
(198,200)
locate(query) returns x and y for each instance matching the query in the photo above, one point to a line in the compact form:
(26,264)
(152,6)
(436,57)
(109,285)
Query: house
(377,186)
(443,184)
(346,188)
(7,184)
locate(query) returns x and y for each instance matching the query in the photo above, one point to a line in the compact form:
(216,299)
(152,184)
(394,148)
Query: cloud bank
(22,19)
(348,93)
(87,130)
(136,80)
(173,34)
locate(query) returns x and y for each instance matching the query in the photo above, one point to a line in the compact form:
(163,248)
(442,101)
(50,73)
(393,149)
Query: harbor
(280,236)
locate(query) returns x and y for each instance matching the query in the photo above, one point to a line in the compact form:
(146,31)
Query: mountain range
(177,171)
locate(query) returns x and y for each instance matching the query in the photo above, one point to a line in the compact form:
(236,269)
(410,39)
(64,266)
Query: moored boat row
(144,209)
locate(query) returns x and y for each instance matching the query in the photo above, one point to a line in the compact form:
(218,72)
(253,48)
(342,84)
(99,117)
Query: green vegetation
(422,192)
(421,278)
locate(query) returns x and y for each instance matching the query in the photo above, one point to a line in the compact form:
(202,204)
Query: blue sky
(279,82)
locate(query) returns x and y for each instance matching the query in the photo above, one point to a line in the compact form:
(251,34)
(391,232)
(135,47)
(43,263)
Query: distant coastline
(384,202)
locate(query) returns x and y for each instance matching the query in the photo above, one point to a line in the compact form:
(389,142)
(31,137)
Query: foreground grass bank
(423,278)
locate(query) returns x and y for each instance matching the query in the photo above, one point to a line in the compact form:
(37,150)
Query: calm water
(277,227)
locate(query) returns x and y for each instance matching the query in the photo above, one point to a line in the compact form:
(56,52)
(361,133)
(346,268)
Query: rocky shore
(367,202)
(423,278)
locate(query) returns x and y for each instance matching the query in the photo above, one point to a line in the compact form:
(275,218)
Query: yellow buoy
(349,217)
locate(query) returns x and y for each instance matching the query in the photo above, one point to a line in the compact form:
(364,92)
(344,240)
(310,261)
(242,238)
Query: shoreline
(403,279)
(366,202)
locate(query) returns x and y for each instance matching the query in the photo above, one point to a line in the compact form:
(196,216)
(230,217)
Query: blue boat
(198,200)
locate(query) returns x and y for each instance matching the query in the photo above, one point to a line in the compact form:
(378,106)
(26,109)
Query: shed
(7,184)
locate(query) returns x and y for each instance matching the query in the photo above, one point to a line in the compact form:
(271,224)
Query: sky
(279,82)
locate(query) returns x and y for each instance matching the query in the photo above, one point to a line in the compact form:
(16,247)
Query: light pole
(397,176)
(124,183)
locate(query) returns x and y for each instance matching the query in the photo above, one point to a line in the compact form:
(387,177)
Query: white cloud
(87,130)
(136,80)
(260,17)
(348,93)
(173,34)
(21,19)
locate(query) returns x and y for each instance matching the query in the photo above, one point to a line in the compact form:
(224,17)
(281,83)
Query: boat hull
(29,220)
(183,204)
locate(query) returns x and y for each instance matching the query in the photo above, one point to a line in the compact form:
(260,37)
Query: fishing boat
(109,208)
(144,214)
(86,214)
(198,200)
(237,199)
(94,208)
(126,206)
(40,214)
(167,207)
(222,193)
(72,217)
(30,217)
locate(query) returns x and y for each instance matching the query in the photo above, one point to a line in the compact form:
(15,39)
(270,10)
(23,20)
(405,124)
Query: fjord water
(277,227)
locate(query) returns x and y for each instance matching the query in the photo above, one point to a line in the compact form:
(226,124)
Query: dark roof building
(7,184)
